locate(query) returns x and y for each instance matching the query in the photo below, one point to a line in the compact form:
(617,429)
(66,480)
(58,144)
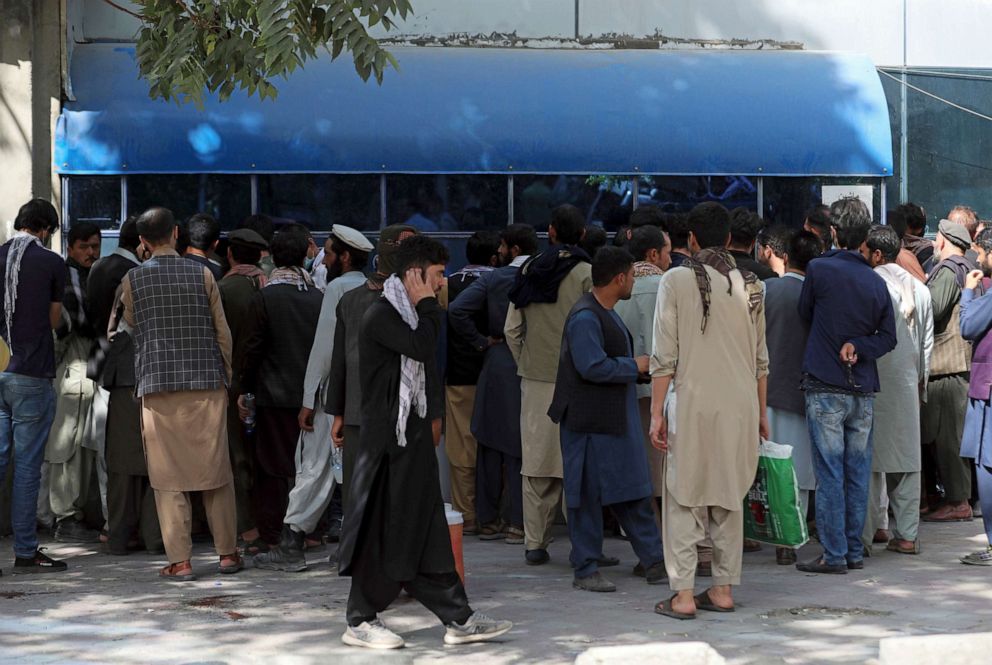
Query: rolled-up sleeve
(761,345)
(665,344)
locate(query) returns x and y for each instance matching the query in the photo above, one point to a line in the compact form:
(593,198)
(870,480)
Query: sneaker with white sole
(372,635)
(979,558)
(478,628)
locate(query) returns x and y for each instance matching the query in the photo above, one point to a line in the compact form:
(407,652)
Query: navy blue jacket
(844,300)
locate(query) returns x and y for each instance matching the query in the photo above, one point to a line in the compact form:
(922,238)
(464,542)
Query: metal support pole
(903,114)
(509,199)
(382,201)
(882,202)
(253,178)
(635,191)
(761,196)
(123,198)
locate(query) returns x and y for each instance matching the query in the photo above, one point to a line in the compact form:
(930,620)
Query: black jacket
(747,262)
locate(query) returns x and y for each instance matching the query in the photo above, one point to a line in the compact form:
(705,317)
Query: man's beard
(334,271)
(987,268)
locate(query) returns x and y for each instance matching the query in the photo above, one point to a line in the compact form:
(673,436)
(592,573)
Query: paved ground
(114,609)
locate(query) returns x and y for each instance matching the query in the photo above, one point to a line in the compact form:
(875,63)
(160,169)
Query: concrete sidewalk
(115,609)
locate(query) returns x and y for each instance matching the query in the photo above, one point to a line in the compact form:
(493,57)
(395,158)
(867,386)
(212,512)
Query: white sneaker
(478,628)
(372,635)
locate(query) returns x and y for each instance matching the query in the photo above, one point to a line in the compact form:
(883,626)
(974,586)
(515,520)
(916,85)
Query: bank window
(683,193)
(320,200)
(605,201)
(447,203)
(226,197)
(94,199)
(787,200)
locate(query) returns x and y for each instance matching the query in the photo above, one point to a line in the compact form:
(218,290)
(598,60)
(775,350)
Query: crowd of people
(277,396)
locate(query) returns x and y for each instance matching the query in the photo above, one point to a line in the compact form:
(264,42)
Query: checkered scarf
(723,262)
(413,378)
(18,246)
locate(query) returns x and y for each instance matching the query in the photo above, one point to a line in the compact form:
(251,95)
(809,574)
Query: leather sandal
(178,572)
(231,563)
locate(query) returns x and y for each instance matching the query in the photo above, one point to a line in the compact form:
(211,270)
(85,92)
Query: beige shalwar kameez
(186,448)
(711,466)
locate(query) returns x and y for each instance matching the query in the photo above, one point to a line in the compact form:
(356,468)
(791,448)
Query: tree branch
(124,9)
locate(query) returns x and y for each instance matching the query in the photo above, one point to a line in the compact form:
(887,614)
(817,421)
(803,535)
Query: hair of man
(521,236)
(359,259)
(984,240)
(288,248)
(744,227)
(622,237)
(82,232)
(896,218)
(678,230)
(420,251)
(260,224)
(643,240)
(804,246)
(203,230)
(818,217)
(245,254)
(37,215)
(851,220)
(593,239)
(885,240)
(608,263)
(916,219)
(482,247)
(129,239)
(568,223)
(709,222)
(156,225)
(776,238)
(648,215)
(966,216)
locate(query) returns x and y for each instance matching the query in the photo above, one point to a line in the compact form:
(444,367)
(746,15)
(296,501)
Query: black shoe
(287,555)
(39,563)
(856,565)
(820,566)
(607,561)
(536,557)
(74,531)
(334,531)
(657,574)
(638,570)
(595,582)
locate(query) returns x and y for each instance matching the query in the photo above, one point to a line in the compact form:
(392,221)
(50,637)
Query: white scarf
(413,378)
(18,246)
(901,282)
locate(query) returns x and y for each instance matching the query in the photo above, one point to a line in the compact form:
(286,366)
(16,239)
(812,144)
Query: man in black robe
(395,535)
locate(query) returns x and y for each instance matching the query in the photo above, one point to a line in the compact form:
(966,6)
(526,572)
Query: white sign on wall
(831,193)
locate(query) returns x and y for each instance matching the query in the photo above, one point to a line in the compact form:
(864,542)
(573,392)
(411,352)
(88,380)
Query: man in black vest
(595,403)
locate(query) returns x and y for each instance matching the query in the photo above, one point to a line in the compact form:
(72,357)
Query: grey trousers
(314,484)
(904,500)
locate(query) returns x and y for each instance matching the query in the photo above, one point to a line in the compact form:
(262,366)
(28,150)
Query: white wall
(949,33)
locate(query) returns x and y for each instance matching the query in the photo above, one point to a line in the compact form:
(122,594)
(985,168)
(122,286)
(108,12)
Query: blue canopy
(465,110)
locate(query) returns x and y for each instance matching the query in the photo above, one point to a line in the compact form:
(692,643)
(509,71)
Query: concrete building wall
(30,100)
(937,33)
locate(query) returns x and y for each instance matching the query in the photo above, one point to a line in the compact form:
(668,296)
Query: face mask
(308,264)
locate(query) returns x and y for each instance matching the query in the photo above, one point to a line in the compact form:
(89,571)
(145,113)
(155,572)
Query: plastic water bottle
(336,467)
(250,418)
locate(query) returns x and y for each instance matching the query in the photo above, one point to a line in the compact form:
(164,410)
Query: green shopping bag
(771,508)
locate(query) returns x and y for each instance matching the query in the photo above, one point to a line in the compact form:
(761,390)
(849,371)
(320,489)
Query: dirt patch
(823,612)
(236,616)
(212,601)
(12,594)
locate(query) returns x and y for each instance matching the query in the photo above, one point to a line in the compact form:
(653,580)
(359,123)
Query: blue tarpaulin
(465,110)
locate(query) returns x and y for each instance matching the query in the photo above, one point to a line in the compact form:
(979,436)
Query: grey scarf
(18,246)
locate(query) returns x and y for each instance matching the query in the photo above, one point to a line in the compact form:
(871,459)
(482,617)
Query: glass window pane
(787,200)
(94,199)
(447,202)
(320,200)
(682,193)
(225,197)
(605,200)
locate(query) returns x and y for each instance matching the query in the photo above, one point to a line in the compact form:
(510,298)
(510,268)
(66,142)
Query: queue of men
(165,392)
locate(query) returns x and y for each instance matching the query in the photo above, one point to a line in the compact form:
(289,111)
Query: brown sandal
(231,563)
(178,572)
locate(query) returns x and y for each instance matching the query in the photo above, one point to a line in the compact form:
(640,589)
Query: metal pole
(761,196)
(635,190)
(382,201)
(903,114)
(509,199)
(253,178)
(882,215)
(123,198)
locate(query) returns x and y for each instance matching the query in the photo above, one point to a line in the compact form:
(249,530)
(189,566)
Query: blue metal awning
(463,110)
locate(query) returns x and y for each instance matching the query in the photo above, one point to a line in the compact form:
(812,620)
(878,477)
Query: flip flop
(665,608)
(893,546)
(704,602)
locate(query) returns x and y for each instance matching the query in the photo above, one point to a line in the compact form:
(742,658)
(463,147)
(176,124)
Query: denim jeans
(27,408)
(840,429)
